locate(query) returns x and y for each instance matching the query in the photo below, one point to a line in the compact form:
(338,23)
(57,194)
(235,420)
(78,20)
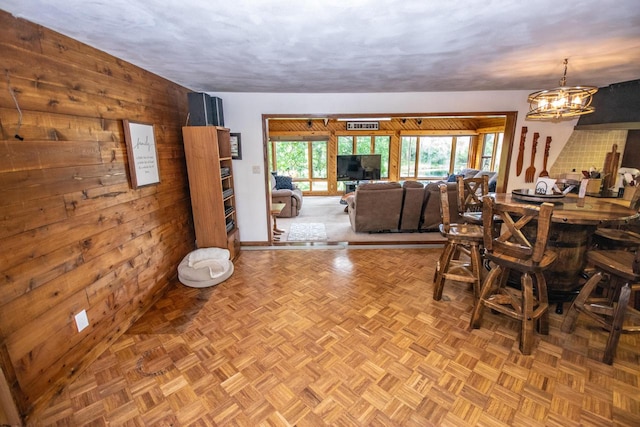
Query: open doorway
(421,147)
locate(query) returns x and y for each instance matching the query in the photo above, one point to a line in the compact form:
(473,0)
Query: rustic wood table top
(595,211)
(276,208)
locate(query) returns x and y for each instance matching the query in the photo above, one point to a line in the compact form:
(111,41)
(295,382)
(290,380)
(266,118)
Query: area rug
(307,231)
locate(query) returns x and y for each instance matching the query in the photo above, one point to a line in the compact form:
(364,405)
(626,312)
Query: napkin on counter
(629,178)
(545,186)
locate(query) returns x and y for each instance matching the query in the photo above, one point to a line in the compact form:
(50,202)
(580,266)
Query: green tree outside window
(345,145)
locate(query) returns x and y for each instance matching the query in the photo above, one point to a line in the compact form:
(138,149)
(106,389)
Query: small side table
(343,200)
(276,208)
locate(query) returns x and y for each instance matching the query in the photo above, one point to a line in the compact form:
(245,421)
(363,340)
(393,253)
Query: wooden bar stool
(513,250)
(619,237)
(470,193)
(623,269)
(614,239)
(461,239)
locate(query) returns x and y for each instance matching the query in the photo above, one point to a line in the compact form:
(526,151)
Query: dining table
(573,223)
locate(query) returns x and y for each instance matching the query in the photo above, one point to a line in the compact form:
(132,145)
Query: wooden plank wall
(74,234)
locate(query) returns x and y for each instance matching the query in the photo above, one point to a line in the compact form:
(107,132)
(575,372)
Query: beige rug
(328,211)
(307,232)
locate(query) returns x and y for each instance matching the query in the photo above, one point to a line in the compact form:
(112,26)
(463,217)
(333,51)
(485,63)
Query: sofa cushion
(378,186)
(493,179)
(412,205)
(284,182)
(412,184)
(431,217)
(468,172)
(375,207)
(491,175)
(435,185)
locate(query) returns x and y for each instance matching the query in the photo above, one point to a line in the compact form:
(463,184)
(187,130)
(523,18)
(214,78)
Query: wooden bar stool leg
(476,267)
(504,277)
(542,324)
(616,327)
(577,306)
(487,287)
(445,259)
(441,269)
(526,337)
(444,255)
(456,252)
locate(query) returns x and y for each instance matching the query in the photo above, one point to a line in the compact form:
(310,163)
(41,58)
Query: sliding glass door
(304,161)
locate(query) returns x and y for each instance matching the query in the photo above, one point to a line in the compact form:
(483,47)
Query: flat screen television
(359,167)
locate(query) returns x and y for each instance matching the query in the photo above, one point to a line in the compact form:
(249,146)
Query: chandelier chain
(563,80)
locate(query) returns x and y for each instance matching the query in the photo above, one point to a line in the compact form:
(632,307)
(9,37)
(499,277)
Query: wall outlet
(256,169)
(82,321)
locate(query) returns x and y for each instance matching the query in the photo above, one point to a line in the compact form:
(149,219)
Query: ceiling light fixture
(563,102)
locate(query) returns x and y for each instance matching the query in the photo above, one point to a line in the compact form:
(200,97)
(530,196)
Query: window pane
(382,144)
(461,160)
(319,159)
(319,186)
(489,139)
(408,156)
(498,152)
(363,145)
(434,156)
(291,158)
(345,145)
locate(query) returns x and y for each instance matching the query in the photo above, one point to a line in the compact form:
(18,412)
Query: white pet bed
(205,267)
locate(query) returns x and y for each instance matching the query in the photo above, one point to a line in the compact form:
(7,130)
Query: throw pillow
(284,182)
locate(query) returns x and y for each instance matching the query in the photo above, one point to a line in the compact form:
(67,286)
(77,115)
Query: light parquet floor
(345,338)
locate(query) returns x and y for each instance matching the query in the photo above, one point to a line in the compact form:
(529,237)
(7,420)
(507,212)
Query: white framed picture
(142,153)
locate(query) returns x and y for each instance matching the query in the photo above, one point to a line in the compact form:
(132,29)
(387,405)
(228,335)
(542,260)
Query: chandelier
(563,102)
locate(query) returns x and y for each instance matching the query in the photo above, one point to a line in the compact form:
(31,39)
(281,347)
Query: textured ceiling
(357,45)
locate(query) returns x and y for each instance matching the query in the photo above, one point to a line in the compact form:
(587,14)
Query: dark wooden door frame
(505,156)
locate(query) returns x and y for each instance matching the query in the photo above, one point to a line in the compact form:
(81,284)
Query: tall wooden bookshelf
(213,202)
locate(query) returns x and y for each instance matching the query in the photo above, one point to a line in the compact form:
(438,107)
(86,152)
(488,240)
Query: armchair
(292,199)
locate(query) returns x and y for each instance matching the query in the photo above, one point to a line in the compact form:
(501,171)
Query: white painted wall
(243,113)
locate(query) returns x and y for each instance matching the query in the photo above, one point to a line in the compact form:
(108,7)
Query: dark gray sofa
(412,206)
